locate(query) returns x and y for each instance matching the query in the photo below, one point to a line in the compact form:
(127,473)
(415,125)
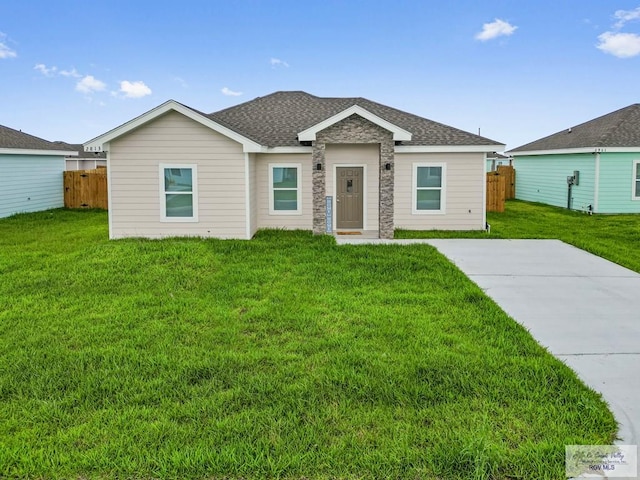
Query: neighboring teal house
(31,172)
(601,158)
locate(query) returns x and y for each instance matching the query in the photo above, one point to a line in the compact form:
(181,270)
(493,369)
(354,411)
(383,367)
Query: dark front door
(349,197)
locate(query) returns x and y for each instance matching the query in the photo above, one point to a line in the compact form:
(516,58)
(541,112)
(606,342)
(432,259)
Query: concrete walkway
(584,309)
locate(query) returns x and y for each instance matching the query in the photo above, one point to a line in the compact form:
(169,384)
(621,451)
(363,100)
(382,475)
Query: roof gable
(309,134)
(101,142)
(616,130)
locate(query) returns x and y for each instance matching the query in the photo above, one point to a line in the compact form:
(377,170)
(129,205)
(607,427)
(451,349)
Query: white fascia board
(97,144)
(399,134)
(551,152)
(563,151)
(448,148)
(287,150)
(25,151)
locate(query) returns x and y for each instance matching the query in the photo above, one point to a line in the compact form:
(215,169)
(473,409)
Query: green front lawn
(285,356)
(614,237)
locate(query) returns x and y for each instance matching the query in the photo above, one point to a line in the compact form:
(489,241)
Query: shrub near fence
(86,189)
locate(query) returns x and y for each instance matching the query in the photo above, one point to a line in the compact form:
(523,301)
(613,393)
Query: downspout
(109,192)
(596,193)
(484,193)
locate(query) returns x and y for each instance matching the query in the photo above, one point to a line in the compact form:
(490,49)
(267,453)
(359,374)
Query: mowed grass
(614,237)
(283,357)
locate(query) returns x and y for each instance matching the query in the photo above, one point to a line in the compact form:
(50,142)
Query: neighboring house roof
(78,147)
(496,156)
(11,139)
(619,129)
(277,119)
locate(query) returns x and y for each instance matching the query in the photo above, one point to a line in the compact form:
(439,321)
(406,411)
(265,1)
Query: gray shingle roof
(10,138)
(276,119)
(616,129)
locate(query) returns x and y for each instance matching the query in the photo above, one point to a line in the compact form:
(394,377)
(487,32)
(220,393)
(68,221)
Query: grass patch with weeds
(282,357)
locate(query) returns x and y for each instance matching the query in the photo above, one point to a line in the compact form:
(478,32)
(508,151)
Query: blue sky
(518,70)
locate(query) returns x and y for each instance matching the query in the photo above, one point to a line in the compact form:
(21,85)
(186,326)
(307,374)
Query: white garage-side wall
(366,155)
(464,192)
(30,183)
(173,139)
(265,219)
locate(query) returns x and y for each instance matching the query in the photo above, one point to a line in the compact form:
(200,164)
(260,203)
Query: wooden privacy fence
(85,188)
(501,186)
(495,192)
(509,174)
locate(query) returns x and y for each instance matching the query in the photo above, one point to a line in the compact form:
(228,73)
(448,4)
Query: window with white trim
(285,189)
(636,180)
(178,193)
(429,193)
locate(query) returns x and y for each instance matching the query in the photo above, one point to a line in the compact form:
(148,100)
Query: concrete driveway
(584,309)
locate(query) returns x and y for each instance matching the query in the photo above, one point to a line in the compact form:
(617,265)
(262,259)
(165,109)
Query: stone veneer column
(385,214)
(319,189)
(354,130)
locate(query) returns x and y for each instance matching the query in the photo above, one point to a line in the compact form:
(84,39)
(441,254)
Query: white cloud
(5,51)
(134,89)
(621,45)
(44,70)
(51,71)
(624,16)
(230,93)
(498,28)
(89,84)
(276,62)
(70,73)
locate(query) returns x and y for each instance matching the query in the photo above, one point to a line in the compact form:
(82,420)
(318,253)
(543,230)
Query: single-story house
(291,160)
(593,167)
(31,172)
(83,160)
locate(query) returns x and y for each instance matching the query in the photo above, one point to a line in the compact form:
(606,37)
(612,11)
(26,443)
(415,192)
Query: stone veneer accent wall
(354,130)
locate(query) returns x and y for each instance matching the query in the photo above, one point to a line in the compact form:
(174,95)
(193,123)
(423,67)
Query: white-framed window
(178,193)
(285,188)
(429,188)
(635,193)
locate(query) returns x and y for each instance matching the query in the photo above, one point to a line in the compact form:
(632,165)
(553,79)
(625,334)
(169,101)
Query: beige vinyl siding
(367,155)
(465,184)
(303,221)
(174,139)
